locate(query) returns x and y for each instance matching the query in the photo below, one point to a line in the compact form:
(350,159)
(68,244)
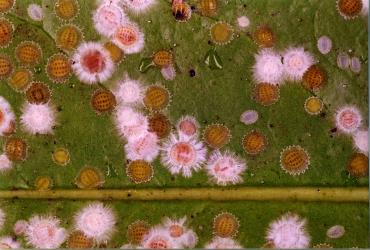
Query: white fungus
(243,21)
(35,12)
(249,117)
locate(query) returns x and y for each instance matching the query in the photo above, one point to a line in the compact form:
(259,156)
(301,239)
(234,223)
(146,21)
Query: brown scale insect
(181,12)
(58,68)
(139,171)
(268,244)
(216,135)
(78,239)
(20,79)
(156,98)
(264,37)
(162,58)
(314,78)
(38,93)
(103,101)
(11,129)
(6,5)
(266,94)
(349,8)
(6,66)
(66,9)
(6,32)
(254,143)
(136,231)
(28,53)
(225,225)
(15,149)
(43,183)
(208,7)
(294,160)
(358,165)
(68,37)
(114,51)
(160,125)
(89,178)
(323,245)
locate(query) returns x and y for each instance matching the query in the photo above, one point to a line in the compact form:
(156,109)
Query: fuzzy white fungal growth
(361,141)
(225,168)
(129,92)
(38,118)
(139,6)
(107,18)
(96,221)
(348,119)
(129,38)
(183,155)
(130,246)
(296,61)
(188,126)
(288,232)
(222,243)
(243,21)
(159,238)
(5,163)
(130,123)
(249,117)
(7,242)
(168,72)
(181,235)
(92,63)
(365,8)
(268,67)
(20,227)
(45,232)
(35,12)
(7,116)
(2,218)
(143,148)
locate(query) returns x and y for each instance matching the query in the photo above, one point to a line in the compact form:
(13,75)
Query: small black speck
(192,7)
(333,130)
(192,73)
(323,115)
(244,5)
(209,42)
(271,125)
(192,216)
(128,195)
(59,108)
